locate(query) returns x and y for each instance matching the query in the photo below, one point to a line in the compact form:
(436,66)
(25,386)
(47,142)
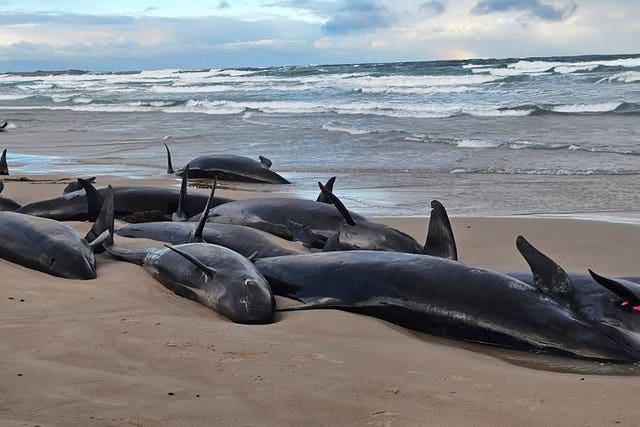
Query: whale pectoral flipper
(337,203)
(207,270)
(628,291)
(440,241)
(548,276)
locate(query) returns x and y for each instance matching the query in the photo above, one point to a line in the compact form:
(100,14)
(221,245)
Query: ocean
(555,135)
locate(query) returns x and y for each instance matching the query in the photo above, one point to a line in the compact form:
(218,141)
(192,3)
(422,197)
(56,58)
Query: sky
(136,35)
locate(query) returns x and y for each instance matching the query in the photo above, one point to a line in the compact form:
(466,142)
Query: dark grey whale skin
(7,204)
(128,199)
(45,245)
(444,298)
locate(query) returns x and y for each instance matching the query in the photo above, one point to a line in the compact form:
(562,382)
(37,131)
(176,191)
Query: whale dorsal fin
(338,204)
(207,270)
(169,165)
(197,233)
(4,168)
(548,276)
(4,124)
(333,243)
(103,222)
(265,162)
(440,241)
(625,289)
(180,215)
(94,199)
(329,185)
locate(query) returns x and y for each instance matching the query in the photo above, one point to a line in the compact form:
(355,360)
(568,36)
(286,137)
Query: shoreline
(122,349)
(625,216)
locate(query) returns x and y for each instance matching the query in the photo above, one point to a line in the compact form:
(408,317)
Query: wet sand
(123,350)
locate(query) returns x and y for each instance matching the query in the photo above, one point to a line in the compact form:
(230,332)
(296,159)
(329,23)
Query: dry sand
(123,350)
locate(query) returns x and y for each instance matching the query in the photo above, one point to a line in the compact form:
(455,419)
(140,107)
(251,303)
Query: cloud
(149,9)
(224,4)
(68,19)
(359,16)
(535,7)
(433,7)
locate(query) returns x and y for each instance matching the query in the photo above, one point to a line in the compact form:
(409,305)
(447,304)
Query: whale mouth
(257,310)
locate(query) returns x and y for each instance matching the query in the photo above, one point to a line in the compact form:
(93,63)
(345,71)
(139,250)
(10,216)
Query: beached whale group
(235,255)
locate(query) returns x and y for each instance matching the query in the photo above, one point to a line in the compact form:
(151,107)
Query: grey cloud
(202,42)
(357,16)
(433,7)
(63,19)
(535,7)
(150,9)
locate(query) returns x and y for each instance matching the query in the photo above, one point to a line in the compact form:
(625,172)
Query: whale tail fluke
(440,241)
(335,201)
(322,197)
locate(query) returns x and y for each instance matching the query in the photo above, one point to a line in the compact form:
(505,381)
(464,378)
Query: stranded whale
(446,298)
(212,275)
(229,167)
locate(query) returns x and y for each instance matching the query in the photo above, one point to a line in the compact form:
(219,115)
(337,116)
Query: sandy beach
(123,350)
